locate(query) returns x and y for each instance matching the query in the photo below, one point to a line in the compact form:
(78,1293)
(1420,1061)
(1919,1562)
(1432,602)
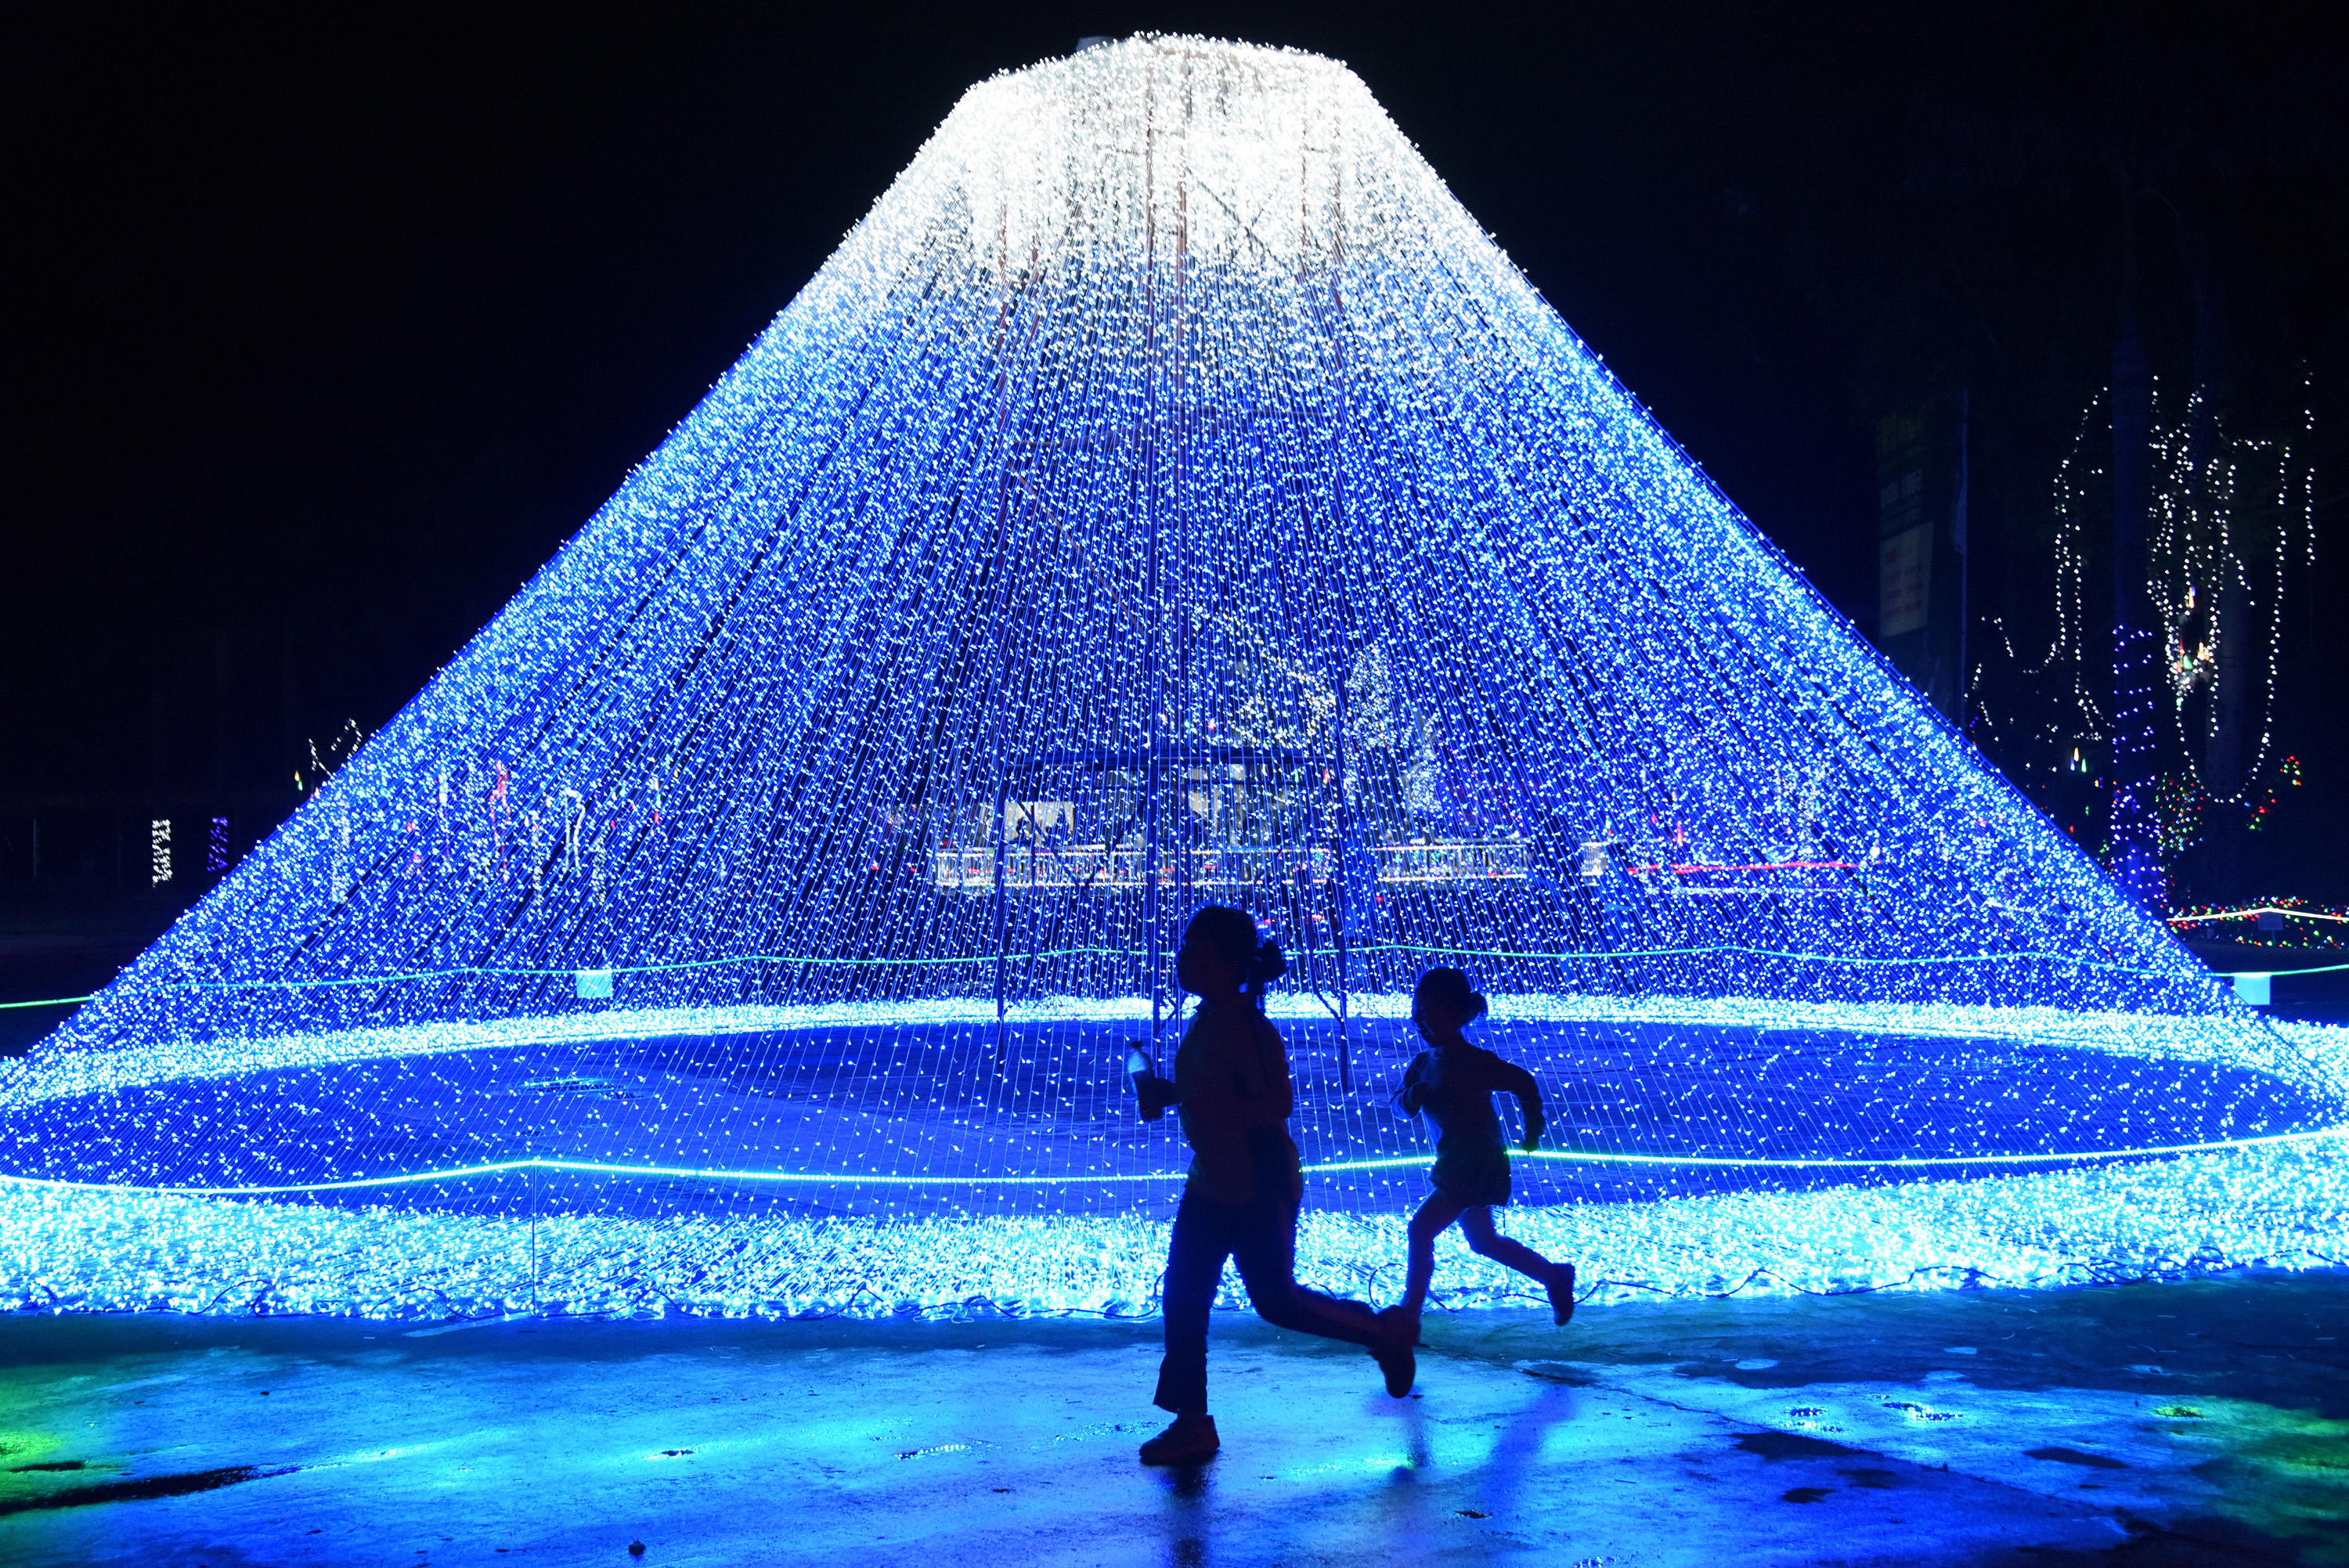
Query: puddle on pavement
(143,1490)
(1794,1445)
(1916,1412)
(2062,1455)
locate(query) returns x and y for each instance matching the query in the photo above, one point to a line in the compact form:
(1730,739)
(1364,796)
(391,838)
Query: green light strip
(1390,1162)
(2255,909)
(1828,958)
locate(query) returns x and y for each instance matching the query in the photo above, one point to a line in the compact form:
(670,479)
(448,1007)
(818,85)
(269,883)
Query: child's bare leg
(1433,1217)
(1486,1241)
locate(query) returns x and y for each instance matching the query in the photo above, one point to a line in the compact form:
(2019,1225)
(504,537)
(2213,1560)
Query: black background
(325,330)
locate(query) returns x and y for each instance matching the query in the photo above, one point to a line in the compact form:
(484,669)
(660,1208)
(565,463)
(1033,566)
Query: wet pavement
(2198,1423)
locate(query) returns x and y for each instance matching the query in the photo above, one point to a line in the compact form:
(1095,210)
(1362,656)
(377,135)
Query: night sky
(326,332)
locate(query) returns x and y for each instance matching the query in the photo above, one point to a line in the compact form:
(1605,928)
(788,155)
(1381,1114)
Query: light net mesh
(1166,495)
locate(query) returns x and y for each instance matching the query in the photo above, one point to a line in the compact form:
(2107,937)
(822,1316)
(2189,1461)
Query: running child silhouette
(1452,1082)
(1232,1087)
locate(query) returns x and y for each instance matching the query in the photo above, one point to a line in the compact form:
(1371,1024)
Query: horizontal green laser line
(1837,958)
(1389,1162)
(1124,953)
(2256,909)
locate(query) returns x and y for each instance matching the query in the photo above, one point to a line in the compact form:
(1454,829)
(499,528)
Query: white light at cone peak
(1168,379)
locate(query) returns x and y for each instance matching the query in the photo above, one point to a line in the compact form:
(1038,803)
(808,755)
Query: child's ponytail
(1268,965)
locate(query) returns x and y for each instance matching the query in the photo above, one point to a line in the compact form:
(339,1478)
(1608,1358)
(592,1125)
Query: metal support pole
(1154,699)
(1338,887)
(1002,919)
(1153,775)
(1337,518)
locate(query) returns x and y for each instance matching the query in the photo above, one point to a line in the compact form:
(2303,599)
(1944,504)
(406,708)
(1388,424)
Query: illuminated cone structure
(1167,495)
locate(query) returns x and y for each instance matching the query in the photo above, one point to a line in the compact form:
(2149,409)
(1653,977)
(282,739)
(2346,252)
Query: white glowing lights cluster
(2220,503)
(59,1249)
(2231,515)
(1166,495)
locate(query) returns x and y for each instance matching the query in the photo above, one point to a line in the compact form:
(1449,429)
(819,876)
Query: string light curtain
(1167,494)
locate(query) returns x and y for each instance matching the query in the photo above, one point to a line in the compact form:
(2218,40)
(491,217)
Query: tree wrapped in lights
(1167,494)
(2231,516)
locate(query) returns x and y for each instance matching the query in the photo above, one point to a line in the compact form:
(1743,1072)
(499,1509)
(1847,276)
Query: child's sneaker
(1392,1350)
(1188,1441)
(1562,1298)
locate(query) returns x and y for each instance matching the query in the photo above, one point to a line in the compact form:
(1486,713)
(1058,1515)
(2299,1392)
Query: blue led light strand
(1324,1168)
(1167,494)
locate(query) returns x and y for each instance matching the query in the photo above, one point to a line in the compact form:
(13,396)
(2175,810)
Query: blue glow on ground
(1167,494)
(2279,1206)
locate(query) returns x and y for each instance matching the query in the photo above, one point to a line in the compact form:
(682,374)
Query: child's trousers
(1260,1236)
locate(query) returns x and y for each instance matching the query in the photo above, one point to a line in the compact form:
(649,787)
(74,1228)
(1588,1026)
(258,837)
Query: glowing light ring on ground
(1006,1179)
(1167,464)
(66,1250)
(2296,1052)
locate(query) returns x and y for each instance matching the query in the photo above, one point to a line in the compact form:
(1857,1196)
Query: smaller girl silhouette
(1453,1083)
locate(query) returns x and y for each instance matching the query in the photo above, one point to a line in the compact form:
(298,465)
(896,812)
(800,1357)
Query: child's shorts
(1473,1180)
